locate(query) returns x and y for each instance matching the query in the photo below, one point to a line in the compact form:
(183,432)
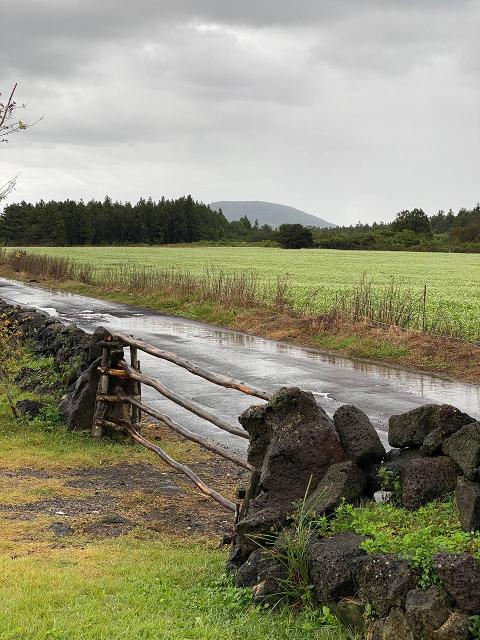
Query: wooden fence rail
(120,386)
(183,402)
(204,488)
(186,433)
(223,381)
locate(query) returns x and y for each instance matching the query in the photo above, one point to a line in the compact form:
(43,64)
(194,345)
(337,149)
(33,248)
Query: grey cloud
(395,42)
(348,109)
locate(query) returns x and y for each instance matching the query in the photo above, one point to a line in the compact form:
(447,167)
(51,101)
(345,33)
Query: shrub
(295,236)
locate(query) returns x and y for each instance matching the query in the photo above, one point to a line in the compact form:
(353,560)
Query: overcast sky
(348,109)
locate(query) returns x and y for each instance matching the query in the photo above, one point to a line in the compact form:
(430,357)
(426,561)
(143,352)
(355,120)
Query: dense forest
(185,220)
(108,222)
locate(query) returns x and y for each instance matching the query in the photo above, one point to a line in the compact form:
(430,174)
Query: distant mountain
(267,213)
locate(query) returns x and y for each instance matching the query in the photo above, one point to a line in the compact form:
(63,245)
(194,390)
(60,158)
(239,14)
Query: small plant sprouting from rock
(369,613)
(390,482)
(291,551)
(474,627)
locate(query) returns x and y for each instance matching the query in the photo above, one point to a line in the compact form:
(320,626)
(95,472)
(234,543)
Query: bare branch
(8,107)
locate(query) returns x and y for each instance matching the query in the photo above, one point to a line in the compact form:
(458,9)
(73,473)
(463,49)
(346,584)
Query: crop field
(316,277)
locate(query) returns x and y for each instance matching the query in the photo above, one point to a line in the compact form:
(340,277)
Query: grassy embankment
(311,298)
(71,571)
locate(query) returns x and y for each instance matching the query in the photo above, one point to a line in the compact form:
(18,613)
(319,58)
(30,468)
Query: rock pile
(298,451)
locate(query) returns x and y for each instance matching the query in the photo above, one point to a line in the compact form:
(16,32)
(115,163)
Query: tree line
(68,222)
(184,220)
(412,230)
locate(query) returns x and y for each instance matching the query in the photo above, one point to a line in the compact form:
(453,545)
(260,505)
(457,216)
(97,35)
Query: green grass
(361,346)
(135,589)
(453,280)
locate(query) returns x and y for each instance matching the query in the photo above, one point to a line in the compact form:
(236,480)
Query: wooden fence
(119,404)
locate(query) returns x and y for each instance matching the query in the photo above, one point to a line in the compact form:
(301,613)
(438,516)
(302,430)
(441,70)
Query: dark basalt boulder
(241,548)
(426,611)
(384,581)
(31,322)
(396,460)
(95,346)
(394,627)
(253,420)
(49,339)
(467,497)
(426,479)
(464,448)
(358,435)
(351,613)
(263,571)
(457,627)
(428,425)
(343,481)
(449,420)
(67,344)
(460,575)
(77,408)
(303,445)
(248,575)
(271,589)
(333,563)
(29,408)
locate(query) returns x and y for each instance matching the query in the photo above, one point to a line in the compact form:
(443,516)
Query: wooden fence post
(137,389)
(102,390)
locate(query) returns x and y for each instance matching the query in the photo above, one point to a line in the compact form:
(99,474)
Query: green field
(452,280)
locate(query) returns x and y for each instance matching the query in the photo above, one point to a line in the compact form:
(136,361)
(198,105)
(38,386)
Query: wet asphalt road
(378,390)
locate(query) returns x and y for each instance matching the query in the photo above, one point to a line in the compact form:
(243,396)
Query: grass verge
(450,357)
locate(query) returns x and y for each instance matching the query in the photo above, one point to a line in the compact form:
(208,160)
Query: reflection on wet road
(379,390)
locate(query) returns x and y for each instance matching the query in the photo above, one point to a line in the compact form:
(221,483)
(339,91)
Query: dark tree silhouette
(295,236)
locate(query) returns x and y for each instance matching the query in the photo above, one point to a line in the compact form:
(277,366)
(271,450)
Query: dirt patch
(66,507)
(126,477)
(25,473)
(110,526)
(124,496)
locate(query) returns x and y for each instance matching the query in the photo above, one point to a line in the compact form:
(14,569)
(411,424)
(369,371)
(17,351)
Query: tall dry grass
(47,267)
(384,305)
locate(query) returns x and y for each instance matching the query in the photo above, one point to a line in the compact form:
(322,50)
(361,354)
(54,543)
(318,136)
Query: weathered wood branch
(102,390)
(186,433)
(223,381)
(135,364)
(204,488)
(183,402)
(117,373)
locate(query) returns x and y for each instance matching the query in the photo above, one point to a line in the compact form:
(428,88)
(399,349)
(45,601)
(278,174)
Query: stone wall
(297,449)
(76,355)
